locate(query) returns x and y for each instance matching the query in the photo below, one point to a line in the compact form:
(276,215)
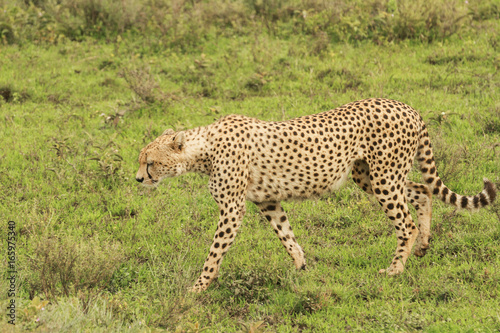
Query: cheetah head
(164,157)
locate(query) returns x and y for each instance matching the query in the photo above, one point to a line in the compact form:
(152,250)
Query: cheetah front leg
(231,212)
(274,213)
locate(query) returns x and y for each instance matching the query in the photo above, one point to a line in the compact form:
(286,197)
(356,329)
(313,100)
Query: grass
(110,255)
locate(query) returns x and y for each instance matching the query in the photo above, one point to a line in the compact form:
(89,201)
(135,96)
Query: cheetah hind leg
(418,195)
(274,213)
(396,208)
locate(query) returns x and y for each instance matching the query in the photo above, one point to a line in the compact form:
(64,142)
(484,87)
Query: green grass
(111,255)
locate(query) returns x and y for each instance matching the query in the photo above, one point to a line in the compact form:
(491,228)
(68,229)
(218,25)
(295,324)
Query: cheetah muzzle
(376,140)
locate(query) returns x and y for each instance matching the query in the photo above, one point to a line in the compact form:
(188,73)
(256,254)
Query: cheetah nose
(140,180)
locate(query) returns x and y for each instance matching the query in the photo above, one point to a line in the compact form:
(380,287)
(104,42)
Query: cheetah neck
(196,152)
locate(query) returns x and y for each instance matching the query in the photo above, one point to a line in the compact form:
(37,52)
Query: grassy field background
(85,84)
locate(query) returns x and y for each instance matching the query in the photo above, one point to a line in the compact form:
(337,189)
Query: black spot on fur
(483,200)
(453,198)
(475,201)
(464,202)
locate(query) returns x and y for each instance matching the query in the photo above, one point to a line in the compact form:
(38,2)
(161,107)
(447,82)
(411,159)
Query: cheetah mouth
(151,183)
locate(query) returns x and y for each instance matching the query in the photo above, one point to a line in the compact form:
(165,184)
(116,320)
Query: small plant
(441,119)
(6,34)
(310,302)
(201,74)
(108,158)
(257,327)
(114,118)
(257,81)
(64,266)
(6,94)
(320,43)
(192,328)
(144,85)
(31,313)
(253,285)
(491,122)
(448,159)
(202,63)
(10,95)
(60,146)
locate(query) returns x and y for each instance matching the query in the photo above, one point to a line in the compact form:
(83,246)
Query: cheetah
(374,140)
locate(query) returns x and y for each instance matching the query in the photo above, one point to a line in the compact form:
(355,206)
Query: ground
(79,109)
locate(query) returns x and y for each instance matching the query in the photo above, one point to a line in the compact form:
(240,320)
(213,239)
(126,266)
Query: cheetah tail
(425,158)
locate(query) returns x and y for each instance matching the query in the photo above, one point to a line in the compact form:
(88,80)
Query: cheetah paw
(301,266)
(420,252)
(392,270)
(196,289)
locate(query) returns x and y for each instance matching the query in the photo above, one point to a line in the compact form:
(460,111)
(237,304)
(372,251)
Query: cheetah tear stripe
(374,140)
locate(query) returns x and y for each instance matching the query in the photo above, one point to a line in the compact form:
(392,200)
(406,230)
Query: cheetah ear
(179,141)
(168,131)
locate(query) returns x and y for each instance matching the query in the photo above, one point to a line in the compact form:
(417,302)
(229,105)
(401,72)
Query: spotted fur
(376,140)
